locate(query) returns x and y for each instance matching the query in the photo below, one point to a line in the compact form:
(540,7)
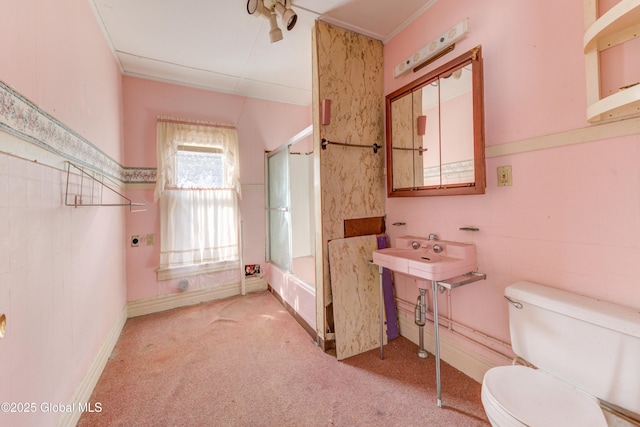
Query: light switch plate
(504,176)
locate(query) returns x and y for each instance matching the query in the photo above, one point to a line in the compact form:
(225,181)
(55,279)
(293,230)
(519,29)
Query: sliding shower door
(289,219)
(278,209)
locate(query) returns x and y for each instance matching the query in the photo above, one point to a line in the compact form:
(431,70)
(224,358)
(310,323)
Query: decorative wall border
(139,175)
(25,120)
(462,171)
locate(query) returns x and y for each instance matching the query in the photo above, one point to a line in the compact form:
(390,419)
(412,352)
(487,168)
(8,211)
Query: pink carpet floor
(244,361)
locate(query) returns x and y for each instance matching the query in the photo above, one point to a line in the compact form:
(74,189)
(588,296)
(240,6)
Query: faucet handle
(415,244)
(433,236)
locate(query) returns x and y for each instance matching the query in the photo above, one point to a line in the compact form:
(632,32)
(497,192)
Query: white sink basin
(455,259)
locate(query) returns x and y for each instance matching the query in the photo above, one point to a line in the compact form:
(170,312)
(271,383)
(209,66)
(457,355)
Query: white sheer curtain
(198,215)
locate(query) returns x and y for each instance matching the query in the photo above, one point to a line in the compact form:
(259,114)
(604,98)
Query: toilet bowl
(522,396)
(585,351)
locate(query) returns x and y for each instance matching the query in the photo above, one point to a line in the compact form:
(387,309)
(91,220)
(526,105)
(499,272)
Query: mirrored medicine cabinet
(435,132)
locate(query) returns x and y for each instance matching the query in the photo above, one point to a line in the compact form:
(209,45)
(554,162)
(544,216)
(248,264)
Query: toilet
(583,351)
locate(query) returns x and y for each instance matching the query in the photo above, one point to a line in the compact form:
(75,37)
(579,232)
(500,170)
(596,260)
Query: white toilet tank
(591,344)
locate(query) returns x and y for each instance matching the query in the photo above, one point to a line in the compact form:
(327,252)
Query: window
(199,168)
(198,189)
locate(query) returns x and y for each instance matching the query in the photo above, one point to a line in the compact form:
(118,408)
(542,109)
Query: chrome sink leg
(436,344)
(421,318)
(380,272)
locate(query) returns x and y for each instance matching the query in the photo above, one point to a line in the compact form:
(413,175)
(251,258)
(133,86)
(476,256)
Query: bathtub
(297,288)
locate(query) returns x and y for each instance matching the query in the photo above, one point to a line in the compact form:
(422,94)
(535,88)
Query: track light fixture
(275,33)
(271,9)
(289,17)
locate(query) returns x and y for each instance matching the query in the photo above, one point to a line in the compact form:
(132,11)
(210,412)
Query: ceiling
(217,45)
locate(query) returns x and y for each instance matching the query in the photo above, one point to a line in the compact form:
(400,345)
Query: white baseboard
(182,299)
(470,364)
(88,383)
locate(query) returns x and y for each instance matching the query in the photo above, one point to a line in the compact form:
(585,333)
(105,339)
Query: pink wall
(262,125)
(62,270)
(55,55)
(572,217)
(532,53)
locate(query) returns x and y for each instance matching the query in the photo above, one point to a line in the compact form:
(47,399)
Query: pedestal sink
(433,259)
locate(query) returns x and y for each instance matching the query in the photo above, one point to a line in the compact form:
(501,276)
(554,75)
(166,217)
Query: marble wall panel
(348,71)
(356,295)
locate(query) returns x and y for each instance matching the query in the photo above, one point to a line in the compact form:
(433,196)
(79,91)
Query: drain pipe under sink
(421,320)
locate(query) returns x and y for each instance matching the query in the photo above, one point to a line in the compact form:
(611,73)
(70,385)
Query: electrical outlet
(504,176)
(151,239)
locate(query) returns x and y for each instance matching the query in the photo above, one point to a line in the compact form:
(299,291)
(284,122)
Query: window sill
(194,270)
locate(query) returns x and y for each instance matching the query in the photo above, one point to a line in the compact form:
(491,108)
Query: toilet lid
(535,398)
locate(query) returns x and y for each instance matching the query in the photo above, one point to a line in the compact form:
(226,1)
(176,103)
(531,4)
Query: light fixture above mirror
(271,9)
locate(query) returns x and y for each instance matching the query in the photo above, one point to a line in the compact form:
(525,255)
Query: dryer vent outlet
(183,285)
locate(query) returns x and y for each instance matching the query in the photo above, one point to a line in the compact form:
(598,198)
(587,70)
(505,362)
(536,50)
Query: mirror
(435,132)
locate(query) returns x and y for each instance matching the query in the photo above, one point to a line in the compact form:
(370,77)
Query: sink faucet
(433,236)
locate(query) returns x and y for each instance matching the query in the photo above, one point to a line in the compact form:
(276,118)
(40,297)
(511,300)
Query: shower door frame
(286,210)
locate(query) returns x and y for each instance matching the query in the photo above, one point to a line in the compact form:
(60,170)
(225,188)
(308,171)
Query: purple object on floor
(389,305)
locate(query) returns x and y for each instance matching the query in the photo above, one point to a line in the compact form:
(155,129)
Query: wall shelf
(620,104)
(618,25)
(89,190)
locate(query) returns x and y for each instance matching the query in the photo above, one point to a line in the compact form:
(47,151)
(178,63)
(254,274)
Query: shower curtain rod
(326,142)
